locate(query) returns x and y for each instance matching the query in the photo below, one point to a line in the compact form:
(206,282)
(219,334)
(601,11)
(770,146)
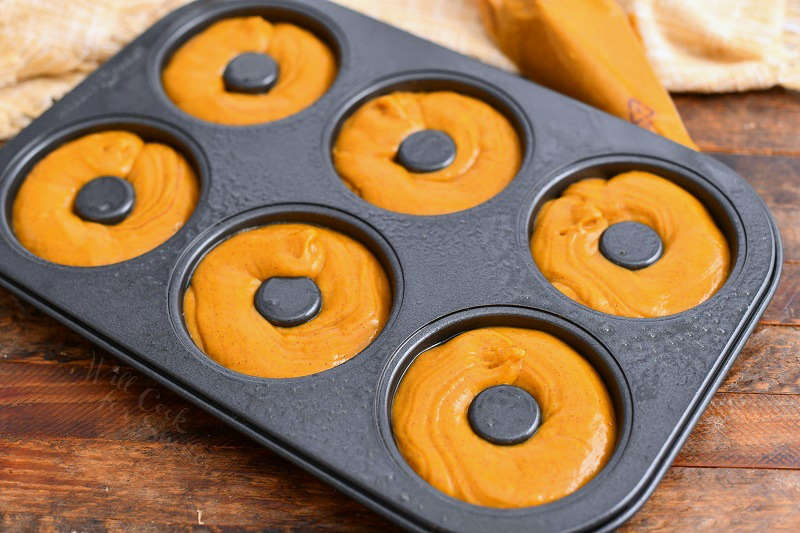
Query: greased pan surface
(448,273)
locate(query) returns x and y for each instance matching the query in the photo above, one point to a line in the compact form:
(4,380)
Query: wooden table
(88,444)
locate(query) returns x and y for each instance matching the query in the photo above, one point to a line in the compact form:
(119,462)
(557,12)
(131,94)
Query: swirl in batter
(693,266)
(488,152)
(193,77)
(166,192)
(224,323)
(573,442)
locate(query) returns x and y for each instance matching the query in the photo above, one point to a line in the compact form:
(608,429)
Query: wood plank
(107,401)
(722,499)
(769,363)
(785,306)
(746,431)
(76,482)
(28,334)
(777,181)
(113,403)
(753,122)
(164,486)
(775,178)
(88,393)
(47,402)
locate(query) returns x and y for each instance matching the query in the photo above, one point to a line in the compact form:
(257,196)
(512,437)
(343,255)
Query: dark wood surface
(87,444)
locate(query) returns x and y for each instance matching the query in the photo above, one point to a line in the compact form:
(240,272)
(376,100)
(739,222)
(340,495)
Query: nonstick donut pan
(448,273)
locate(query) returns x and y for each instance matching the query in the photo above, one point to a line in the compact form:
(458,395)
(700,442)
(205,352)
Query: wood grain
(769,363)
(722,499)
(777,181)
(746,431)
(166,485)
(784,310)
(763,122)
(113,403)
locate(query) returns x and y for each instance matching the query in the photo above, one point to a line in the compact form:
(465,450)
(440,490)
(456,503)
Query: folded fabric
(48,46)
(720,45)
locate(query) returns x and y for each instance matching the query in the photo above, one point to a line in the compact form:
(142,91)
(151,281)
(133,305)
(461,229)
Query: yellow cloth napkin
(48,46)
(720,45)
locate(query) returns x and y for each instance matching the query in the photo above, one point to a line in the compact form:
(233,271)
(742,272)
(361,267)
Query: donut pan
(449,273)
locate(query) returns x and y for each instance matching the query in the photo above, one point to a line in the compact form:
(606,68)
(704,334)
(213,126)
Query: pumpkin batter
(573,442)
(488,152)
(193,77)
(693,266)
(224,323)
(165,187)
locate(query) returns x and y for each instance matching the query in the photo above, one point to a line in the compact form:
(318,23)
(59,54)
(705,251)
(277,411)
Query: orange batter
(694,264)
(573,442)
(164,184)
(487,158)
(193,76)
(224,323)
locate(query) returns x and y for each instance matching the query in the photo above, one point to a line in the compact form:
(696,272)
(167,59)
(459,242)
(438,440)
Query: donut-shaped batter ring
(165,187)
(488,152)
(224,323)
(694,264)
(432,431)
(193,77)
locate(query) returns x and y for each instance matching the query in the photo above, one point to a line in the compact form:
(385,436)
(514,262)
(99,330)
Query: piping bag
(586,49)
